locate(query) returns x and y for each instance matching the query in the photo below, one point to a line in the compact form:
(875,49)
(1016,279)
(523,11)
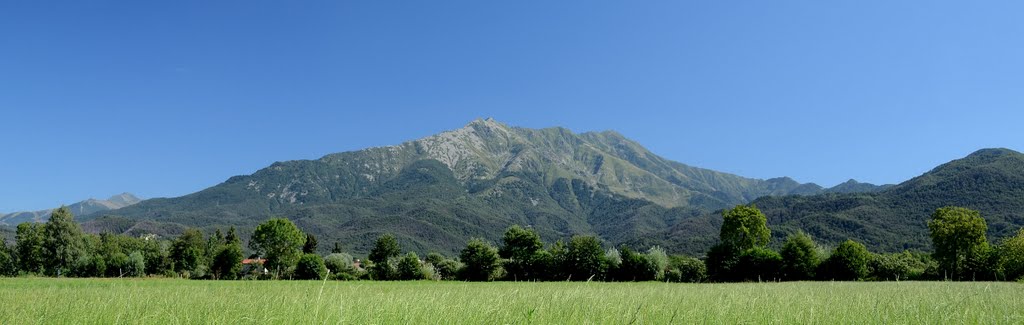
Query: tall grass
(114,301)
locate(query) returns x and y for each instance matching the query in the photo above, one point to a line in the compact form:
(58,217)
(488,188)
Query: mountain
(86,207)
(853,186)
(890,219)
(435,193)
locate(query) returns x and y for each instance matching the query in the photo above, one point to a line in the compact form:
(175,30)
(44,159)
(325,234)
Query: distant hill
(853,186)
(891,219)
(86,207)
(437,192)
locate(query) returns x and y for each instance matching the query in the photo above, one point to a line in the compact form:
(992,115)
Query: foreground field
(110,301)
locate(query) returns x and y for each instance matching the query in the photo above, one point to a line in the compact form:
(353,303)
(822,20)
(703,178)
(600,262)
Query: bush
(1011,253)
(849,262)
(898,267)
(760,264)
(722,263)
(310,267)
(685,269)
(480,259)
(635,267)
(409,268)
(799,258)
(339,263)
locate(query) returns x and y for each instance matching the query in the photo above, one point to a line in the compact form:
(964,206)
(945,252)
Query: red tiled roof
(254,261)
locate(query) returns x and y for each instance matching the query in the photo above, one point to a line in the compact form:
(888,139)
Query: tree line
(280,250)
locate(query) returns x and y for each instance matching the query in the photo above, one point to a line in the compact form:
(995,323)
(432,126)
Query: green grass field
(110,301)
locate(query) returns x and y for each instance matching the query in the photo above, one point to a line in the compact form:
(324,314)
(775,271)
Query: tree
(384,250)
(8,264)
(897,267)
(280,242)
(444,268)
(745,227)
(232,237)
(188,252)
(635,266)
(849,262)
(659,258)
(685,269)
(28,248)
(337,248)
(339,263)
(1011,254)
(136,265)
(480,259)
(62,241)
(227,263)
(799,257)
(310,246)
(310,267)
(584,259)
(409,268)
(722,261)
(760,264)
(520,250)
(958,235)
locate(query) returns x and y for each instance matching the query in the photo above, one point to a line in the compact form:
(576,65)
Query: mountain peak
(125,199)
(992,153)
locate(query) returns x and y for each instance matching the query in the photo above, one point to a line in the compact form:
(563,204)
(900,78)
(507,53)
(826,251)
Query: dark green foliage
(899,266)
(635,267)
(759,264)
(29,248)
(382,255)
(1011,253)
(744,227)
(722,263)
(337,248)
(685,269)
(232,237)
(799,257)
(521,250)
(849,262)
(8,263)
(583,259)
(310,267)
(480,261)
(310,246)
(340,263)
(89,266)
(280,242)
(409,268)
(63,241)
(958,236)
(448,269)
(136,265)
(188,252)
(227,263)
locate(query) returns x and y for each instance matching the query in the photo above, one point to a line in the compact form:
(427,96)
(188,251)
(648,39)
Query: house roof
(254,261)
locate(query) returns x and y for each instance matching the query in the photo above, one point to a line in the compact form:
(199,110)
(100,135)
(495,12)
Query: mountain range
(85,207)
(435,193)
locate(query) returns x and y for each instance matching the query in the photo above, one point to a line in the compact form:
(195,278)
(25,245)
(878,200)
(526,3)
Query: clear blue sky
(165,98)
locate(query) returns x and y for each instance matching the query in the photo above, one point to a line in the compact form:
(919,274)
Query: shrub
(849,262)
(685,269)
(760,264)
(310,267)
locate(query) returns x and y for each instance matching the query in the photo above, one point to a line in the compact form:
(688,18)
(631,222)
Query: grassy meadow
(169,301)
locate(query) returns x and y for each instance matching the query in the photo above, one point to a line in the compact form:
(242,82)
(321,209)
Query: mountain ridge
(84,207)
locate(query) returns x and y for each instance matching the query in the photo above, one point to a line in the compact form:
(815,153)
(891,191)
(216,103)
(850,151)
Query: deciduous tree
(958,236)
(280,242)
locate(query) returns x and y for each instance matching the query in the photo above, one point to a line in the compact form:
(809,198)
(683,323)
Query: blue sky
(165,98)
